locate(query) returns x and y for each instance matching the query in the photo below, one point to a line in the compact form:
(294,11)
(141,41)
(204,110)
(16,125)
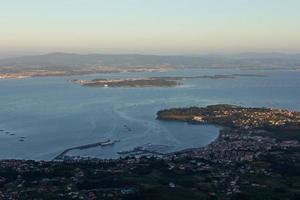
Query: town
(236,116)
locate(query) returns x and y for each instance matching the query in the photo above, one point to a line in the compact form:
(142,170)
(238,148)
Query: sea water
(52,114)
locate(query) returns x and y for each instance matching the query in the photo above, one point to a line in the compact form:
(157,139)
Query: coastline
(241,162)
(254,136)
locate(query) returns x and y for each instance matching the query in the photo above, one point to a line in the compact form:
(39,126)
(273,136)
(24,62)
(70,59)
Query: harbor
(105,143)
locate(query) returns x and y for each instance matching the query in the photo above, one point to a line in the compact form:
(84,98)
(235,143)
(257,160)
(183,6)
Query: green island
(167,81)
(256,156)
(132,82)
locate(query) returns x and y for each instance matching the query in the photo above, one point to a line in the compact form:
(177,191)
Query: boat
(108,143)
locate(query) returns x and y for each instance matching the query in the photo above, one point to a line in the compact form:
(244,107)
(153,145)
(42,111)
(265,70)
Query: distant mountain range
(64,61)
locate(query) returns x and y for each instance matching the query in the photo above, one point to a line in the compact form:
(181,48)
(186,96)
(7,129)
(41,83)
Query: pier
(87,146)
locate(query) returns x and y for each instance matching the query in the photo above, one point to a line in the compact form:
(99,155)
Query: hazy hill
(65,61)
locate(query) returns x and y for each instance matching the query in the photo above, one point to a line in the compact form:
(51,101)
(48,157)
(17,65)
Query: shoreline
(241,162)
(50,73)
(260,130)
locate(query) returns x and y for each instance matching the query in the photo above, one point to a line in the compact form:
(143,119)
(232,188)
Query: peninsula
(236,117)
(12,72)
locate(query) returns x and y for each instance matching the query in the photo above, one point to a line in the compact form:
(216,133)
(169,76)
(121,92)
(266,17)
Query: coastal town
(149,100)
(11,72)
(246,161)
(236,117)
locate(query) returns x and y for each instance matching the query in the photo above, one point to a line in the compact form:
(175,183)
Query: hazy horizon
(8,55)
(158,27)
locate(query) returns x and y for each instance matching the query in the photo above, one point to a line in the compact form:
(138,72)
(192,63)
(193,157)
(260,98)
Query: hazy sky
(149,26)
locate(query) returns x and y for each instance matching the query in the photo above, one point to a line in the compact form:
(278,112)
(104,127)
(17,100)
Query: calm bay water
(54,114)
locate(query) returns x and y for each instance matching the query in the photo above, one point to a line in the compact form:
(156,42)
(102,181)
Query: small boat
(108,143)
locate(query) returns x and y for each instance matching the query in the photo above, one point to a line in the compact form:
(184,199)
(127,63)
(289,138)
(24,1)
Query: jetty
(86,146)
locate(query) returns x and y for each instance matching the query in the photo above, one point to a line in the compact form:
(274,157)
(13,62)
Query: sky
(149,26)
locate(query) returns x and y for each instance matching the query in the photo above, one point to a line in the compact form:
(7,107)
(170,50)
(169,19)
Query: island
(132,82)
(167,81)
(256,156)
